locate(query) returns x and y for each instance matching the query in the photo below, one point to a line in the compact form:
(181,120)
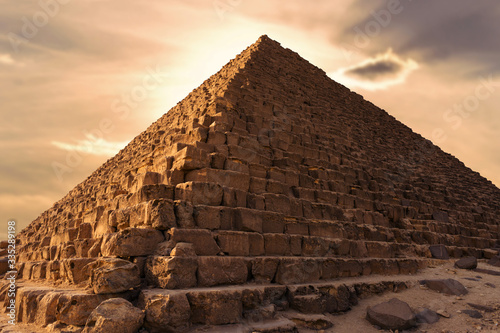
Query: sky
(80,79)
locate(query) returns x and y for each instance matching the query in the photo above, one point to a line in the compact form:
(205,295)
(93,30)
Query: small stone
(393,314)
(484,308)
(467,263)
(446,286)
(471,279)
(443,313)
(491,285)
(473,313)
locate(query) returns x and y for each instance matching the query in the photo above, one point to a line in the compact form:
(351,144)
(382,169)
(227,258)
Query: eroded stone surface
(114,315)
(393,314)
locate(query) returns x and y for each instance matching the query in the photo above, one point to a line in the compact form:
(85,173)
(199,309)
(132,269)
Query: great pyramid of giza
(253,195)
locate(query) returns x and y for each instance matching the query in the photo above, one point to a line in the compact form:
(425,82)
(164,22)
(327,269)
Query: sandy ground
(418,297)
(480,292)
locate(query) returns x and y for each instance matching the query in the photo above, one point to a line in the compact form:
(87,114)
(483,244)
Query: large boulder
(115,315)
(446,286)
(467,263)
(113,275)
(393,315)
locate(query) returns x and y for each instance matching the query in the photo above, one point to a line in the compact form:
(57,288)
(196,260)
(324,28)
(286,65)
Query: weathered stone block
(273,223)
(256,244)
(298,270)
(234,243)
(131,242)
(264,269)
(184,211)
(379,250)
(165,312)
(278,203)
(315,246)
(115,315)
(215,307)
(207,217)
(202,240)
(152,192)
(224,178)
(199,193)
(190,158)
(213,271)
(74,270)
(234,197)
(277,244)
(171,272)
(245,219)
(112,275)
(326,229)
(160,214)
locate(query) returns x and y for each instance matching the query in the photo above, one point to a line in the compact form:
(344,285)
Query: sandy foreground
(484,289)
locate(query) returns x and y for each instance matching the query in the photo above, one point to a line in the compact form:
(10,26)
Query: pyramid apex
(264,39)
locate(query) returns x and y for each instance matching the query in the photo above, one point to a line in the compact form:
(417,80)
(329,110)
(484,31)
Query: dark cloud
(430,31)
(376,70)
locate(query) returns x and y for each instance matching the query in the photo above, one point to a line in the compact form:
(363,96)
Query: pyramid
(253,195)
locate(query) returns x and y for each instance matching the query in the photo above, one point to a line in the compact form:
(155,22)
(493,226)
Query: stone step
(258,307)
(42,304)
(208,271)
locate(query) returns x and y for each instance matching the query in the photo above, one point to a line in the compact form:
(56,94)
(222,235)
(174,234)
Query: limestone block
(226,178)
(264,269)
(165,312)
(213,271)
(190,158)
(256,244)
(115,315)
(273,223)
(245,219)
(379,250)
(184,214)
(74,271)
(171,272)
(207,217)
(298,270)
(277,244)
(326,229)
(151,192)
(278,203)
(199,193)
(112,275)
(131,242)
(202,240)
(234,243)
(160,214)
(218,307)
(234,198)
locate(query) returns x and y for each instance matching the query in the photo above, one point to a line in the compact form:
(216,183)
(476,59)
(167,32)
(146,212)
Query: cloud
(379,72)
(431,32)
(6,59)
(92,146)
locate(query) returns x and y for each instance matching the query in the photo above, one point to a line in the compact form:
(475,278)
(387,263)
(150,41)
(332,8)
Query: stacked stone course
(267,177)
